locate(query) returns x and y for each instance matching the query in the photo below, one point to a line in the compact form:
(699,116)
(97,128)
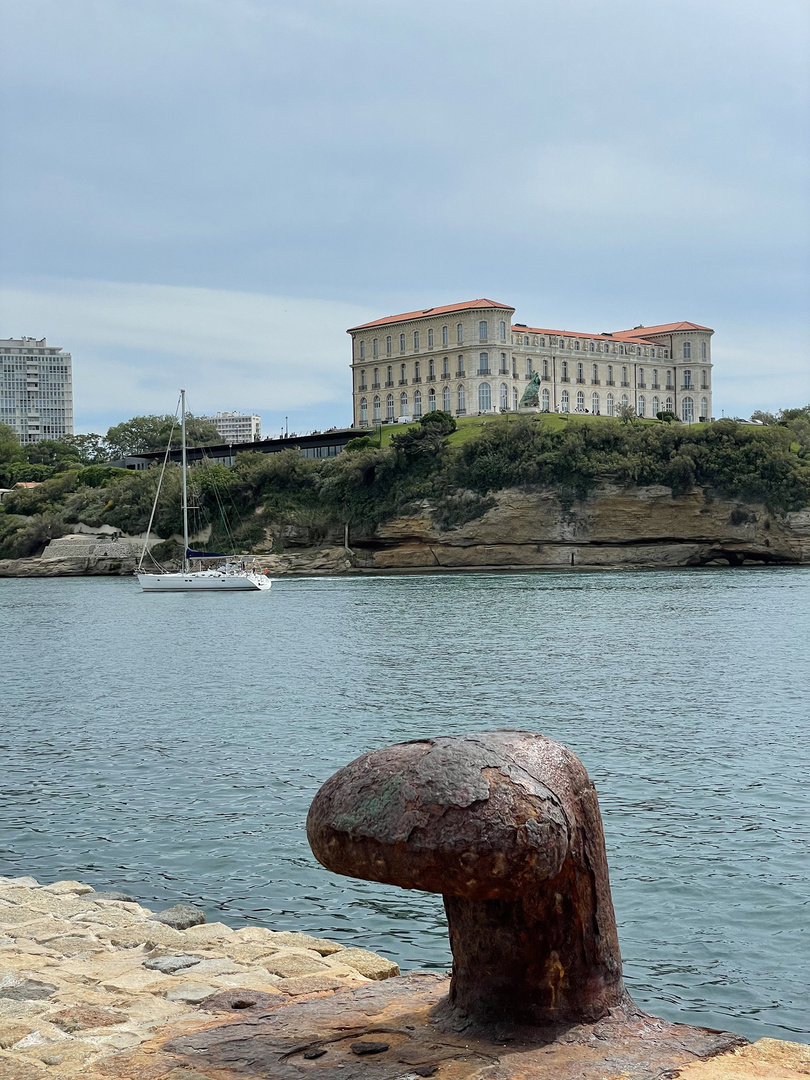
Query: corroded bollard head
(506,826)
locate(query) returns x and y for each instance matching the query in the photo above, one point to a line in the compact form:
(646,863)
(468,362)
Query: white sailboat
(230,575)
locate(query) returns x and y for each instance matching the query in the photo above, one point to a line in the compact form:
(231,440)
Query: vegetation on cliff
(273,498)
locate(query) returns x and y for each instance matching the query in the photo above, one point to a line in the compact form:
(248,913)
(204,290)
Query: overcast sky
(208,192)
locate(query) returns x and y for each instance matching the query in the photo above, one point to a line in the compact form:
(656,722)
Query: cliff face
(644,527)
(612,527)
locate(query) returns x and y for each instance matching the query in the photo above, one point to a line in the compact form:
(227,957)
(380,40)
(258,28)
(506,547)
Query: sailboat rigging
(230,575)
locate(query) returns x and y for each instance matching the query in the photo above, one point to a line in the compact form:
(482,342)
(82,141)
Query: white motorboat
(232,574)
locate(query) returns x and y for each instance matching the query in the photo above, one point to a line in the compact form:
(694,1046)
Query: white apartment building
(36,389)
(237,427)
(471,358)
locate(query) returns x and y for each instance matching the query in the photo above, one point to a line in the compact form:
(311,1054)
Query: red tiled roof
(620,335)
(665,328)
(445,310)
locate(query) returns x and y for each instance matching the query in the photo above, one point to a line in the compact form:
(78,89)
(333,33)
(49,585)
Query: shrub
(437,418)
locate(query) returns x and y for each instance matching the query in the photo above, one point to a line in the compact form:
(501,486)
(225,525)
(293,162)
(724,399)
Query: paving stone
(216,965)
(256,979)
(63,888)
(311,984)
(11,1032)
(169,964)
(247,953)
(81,1017)
(143,933)
(113,894)
(290,964)
(370,964)
(15,1068)
(209,932)
(71,944)
(60,906)
(137,979)
(243,999)
(191,993)
(135,1065)
(22,989)
(305,941)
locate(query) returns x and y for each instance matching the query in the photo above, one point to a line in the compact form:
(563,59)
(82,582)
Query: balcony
(581,381)
(402,382)
(642,386)
(687,386)
(389,382)
(625,383)
(430,378)
(596,382)
(460,373)
(609,382)
(375,386)
(564,378)
(483,371)
(416,378)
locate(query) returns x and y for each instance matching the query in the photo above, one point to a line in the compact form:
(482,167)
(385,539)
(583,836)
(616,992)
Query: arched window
(446,399)
(641,376)
(482,330)
(363,411)
(460,366)
(375,348)
(483,363)
(462,399)
(687,350)
(595,373)
(687,379)
(484,397)
(388,345)
(362,350)
(669,380)
(416,339)
(504,396)
(576,346)
(528,367)
(625,401)
(403,374)
(389,407)
(430,339)
(545,401)
(431,368)
(564,371)
(590,346)
(446,368)
(376,384)
(403,404)
(417,372)
(545,369)
(503,370)
(431,399)
(703,350)
(688,410)
(704,408)
(444,335)
(656,406)
(459,332)
(642,406)
(502,328)
(621,350)
(580,373)
(402,343)
(704,380)
(525,339)
(514,399)
(580,401)
(417,404)
(668,405)
(610,408)
(595,404)
(363,379)
(390,375)
(624,376)
(564,401)
(376,407)
(610,375)
(655,379)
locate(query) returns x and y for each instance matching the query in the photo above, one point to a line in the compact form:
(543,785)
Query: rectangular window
(444,335)
(430,339)
(482,330)
(459,333)
(388,345)
(402,343)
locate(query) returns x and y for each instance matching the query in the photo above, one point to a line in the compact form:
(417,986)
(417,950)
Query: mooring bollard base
(401,1029)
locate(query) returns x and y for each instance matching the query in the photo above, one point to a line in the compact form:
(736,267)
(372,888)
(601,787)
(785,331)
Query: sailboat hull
(205,581)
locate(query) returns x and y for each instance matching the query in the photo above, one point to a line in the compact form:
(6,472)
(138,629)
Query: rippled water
(170,745)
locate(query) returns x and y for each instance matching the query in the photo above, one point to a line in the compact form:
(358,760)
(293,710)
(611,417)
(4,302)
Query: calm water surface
(170,745)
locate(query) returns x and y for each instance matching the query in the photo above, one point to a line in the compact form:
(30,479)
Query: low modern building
(237,427)
(472,358)
(36,389)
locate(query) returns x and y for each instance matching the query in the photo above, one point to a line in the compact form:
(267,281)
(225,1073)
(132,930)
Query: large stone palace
(472,358)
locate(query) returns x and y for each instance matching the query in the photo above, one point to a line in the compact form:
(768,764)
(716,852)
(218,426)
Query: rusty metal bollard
(506,826)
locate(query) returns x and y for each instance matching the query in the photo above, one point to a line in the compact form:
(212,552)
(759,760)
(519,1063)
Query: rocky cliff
(642,527)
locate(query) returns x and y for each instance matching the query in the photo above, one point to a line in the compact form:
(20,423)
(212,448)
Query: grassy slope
(470,426)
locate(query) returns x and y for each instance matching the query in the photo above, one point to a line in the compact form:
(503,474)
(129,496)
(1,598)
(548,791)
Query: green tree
(92,449)
(52,452)
(142,434)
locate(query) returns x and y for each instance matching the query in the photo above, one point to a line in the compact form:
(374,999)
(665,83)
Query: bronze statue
(531,395)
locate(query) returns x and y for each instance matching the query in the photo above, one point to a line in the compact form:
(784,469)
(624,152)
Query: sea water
(170,745)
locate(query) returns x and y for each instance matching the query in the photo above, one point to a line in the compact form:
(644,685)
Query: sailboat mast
(185,478)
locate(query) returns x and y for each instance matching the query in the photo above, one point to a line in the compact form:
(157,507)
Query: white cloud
(133,345)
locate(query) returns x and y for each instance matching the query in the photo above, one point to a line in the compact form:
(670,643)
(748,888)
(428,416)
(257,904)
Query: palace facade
(472,358)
